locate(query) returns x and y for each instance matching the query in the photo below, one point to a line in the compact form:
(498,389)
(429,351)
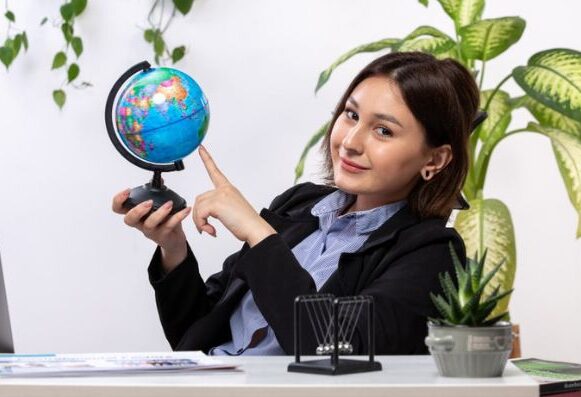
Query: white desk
(402,376)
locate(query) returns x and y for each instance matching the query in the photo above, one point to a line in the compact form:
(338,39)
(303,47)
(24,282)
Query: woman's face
(378,148)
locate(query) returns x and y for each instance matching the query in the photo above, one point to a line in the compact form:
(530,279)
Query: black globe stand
(154,190)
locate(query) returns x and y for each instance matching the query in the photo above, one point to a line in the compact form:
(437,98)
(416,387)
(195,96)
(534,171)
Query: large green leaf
(567,148)
(469,12)
(488,38)
(426,39)
(299,169)
(499,115)
(451,7)
(463,12)
(553,77)
(490,132)
(488,225)
(547,116)
(370,47)
(451,53)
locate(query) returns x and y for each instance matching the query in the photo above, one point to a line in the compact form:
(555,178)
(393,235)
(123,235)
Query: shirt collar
(330,206)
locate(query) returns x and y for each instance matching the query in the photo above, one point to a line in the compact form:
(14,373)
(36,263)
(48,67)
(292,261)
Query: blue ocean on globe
(162,115)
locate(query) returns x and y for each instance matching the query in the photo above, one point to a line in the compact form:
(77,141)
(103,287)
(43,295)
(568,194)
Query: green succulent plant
(468,304)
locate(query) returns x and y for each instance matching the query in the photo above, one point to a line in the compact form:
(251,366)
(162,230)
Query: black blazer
(398,265)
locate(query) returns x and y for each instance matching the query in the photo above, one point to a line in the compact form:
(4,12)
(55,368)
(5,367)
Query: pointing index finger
(215,174)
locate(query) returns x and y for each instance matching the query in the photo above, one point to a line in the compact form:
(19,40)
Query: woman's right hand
(168,234)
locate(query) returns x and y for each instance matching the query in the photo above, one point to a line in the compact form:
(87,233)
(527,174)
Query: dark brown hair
(443,96)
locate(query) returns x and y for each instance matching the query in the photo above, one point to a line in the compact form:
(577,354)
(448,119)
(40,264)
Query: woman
(396,158)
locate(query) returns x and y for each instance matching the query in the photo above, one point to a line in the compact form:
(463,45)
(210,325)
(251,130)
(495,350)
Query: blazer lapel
(352,265)
(292,229)
(386,232)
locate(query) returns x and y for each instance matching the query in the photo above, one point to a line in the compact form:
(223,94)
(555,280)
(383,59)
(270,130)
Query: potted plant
(467,341)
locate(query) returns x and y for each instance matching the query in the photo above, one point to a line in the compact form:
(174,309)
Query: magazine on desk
(554,377)
(30,365)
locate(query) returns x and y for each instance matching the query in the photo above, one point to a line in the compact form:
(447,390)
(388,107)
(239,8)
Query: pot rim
(499,324)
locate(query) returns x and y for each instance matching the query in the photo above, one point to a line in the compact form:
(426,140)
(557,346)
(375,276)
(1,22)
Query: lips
(353,165)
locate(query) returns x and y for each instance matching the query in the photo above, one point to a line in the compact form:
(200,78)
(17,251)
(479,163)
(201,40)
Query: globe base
(159,195)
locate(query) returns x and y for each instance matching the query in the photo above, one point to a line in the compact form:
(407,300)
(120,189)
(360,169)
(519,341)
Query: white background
(76,275)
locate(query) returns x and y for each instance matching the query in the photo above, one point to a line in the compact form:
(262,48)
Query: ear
(438,159)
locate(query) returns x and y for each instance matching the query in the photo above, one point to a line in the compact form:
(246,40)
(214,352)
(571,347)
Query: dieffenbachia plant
(551,85)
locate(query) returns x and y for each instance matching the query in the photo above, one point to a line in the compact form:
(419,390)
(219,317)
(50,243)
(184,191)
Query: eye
(351,114)
(384,132)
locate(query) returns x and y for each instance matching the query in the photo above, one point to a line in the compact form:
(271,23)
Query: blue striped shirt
(319,255)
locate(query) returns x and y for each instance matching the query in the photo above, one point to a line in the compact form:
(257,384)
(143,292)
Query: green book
(554,377)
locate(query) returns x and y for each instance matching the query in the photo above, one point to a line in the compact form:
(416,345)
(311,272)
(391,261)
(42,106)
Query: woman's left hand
(227,204)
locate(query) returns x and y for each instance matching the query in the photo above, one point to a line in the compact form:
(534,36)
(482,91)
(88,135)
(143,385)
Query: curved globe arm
(176,166)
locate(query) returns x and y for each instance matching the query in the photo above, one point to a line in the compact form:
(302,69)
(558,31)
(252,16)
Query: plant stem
(473,141)
(484,158)
(173,14)
(496,90)
(150,15)
(482,75)
(161,14)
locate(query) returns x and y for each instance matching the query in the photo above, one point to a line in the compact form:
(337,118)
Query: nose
(354,138)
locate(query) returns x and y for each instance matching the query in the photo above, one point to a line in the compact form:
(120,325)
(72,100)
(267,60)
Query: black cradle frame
(334,365)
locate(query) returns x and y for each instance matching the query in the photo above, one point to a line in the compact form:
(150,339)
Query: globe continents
(162,115)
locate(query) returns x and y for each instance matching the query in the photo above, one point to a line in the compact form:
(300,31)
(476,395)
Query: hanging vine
(15,39)
(64,59)
(159,19)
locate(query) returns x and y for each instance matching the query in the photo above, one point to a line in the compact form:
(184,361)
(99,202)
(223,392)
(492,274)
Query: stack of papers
(22,365)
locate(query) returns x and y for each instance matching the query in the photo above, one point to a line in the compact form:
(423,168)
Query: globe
(161,115)
(154,118)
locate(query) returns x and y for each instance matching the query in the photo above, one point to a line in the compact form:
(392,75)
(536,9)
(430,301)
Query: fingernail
(168,204)
(149,203)
(126,192)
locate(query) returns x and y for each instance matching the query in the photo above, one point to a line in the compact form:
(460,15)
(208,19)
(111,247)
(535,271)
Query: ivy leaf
(43,21)
(183,6)
(6,56)
(16,44)
(59,98)
(73,72)
(149,35)
(10,16)
(67,31)
(77,45)
(158,45)
(25,40)
(67,11)
(78,6)
(178,53)
(423,2)
(59,60)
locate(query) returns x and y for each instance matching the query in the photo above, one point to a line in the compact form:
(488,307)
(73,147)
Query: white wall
(76,274)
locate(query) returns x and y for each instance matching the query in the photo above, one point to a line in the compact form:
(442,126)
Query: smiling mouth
(351,167)
(352,164)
